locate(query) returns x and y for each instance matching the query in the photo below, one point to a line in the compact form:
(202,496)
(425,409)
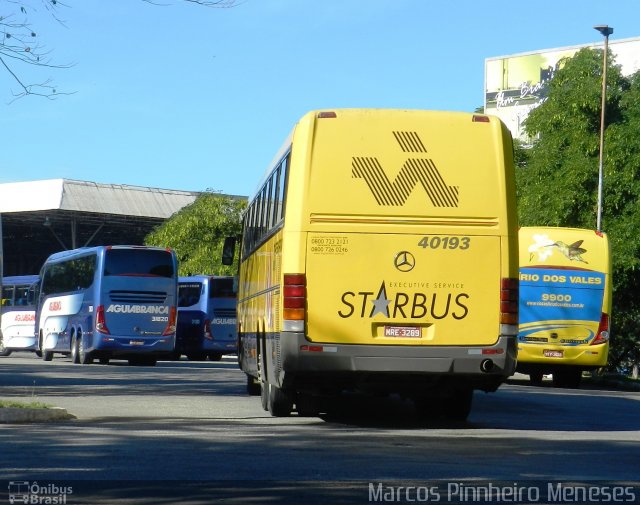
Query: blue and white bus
(18,314)
(108,302)
(206,317)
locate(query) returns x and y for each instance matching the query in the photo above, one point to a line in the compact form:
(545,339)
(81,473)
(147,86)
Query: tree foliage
(557,178)
(197,233)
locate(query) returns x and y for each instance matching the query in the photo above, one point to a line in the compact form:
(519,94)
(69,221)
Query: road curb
(16,415)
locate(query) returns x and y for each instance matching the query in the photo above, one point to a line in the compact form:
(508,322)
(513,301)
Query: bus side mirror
(228,250)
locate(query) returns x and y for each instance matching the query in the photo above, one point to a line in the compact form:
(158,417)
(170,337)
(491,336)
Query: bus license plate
(136,342)
(403,331)
(548,353)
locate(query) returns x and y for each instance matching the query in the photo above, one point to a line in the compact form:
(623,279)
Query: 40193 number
(437,242)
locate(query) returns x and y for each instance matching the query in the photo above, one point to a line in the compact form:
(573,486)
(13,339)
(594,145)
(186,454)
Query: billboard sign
(516,84)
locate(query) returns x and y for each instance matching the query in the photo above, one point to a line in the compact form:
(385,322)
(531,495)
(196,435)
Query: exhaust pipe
(487,365)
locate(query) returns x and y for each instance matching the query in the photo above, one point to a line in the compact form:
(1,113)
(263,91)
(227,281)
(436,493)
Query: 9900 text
(437,242)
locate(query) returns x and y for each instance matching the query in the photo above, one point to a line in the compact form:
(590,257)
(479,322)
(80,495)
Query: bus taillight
(294,297)
(509,301)
(101,323)
(207,330)
(171,325)
(603,330)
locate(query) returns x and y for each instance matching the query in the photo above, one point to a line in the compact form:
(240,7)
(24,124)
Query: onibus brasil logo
(26,492)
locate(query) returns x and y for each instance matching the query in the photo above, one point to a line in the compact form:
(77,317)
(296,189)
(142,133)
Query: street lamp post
(605,30)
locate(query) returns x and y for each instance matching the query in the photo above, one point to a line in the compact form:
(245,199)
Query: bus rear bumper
(484,366)
(117,346)
(20,343)
(548,357)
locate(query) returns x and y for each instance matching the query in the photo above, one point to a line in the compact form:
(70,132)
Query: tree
(557,180)
(20,45)
(197,233)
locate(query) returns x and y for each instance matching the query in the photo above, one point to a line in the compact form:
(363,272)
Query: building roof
(43,217)
(92,197)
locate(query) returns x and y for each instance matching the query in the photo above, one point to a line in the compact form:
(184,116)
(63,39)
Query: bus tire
(84,357)
(280,403)
(253,386)
(458,406)
(3,350)
(264,396)
(75,359)
(196,356)
(307,405)
(104,361)
(535,378)
(569,378)
(46,355)
(142,361)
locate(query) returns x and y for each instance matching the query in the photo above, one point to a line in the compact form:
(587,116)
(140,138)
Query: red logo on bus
(55,306)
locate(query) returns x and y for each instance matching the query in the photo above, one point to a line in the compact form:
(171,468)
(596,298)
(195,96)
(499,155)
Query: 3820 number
(437,242)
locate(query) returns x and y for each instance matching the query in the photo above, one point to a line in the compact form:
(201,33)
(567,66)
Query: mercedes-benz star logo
(404,261)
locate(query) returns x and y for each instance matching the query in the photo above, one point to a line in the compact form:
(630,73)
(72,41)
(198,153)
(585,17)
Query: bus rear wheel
(535,378)
(74,351)
(84,357)
(3,350)
(196,356)
(142,361)
(46,355)
(458,406)
(569,378)
(279,402)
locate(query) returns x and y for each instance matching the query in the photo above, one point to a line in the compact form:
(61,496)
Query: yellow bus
(379,255)
(565,303)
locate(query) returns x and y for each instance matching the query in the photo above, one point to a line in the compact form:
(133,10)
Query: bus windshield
(146,263)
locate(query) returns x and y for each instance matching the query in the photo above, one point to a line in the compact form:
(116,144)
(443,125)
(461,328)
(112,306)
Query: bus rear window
(189,293)
(138,262)
(222,288)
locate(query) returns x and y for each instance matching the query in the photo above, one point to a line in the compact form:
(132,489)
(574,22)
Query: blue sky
(186,97)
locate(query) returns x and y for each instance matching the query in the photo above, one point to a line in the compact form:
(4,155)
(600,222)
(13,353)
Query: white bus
(18,314)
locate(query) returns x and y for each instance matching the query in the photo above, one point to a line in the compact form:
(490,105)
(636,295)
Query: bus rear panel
(206,317)
(565,303)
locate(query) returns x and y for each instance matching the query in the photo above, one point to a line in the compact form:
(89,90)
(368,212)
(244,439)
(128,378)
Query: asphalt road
(188,430)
